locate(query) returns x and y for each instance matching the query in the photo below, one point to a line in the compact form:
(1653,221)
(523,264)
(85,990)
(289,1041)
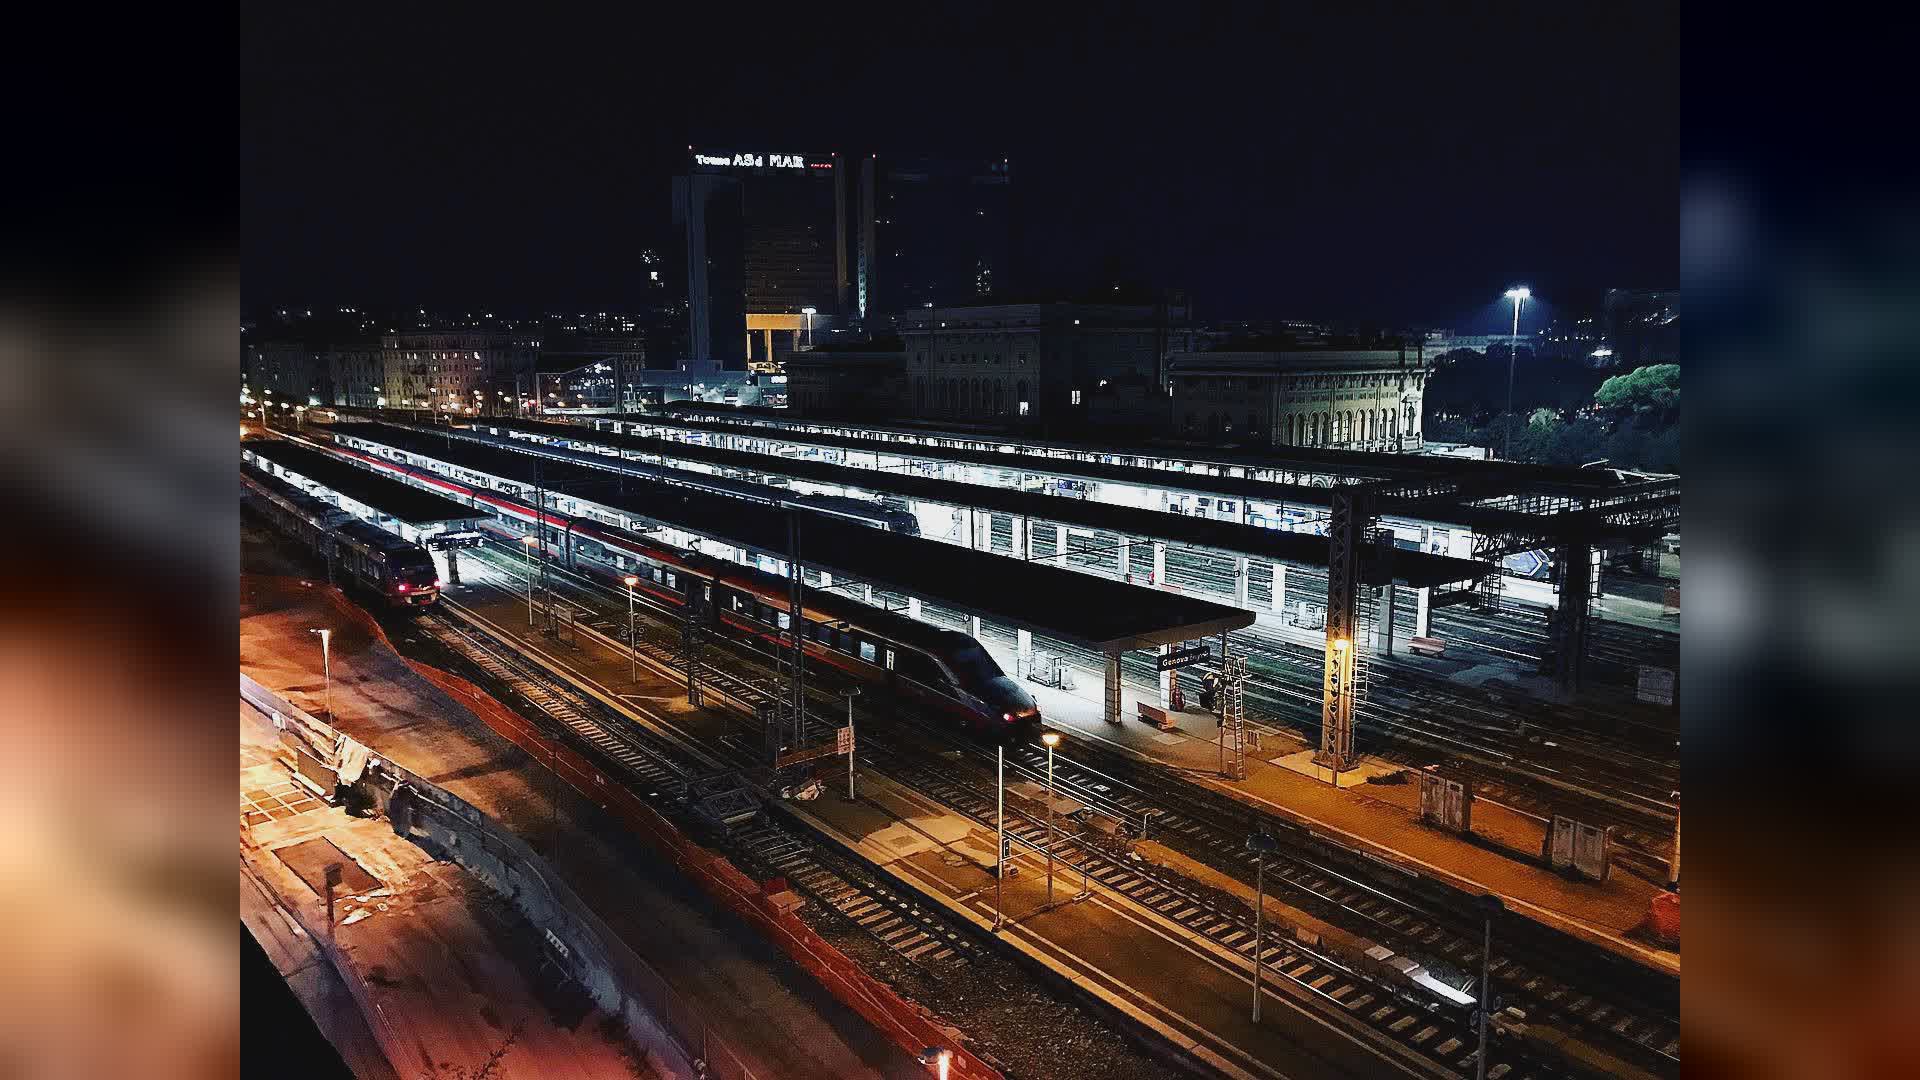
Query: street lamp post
(326,666)
(1490,906)
(1519,296)
(1261,844)
(1000,853)
(633,643)
(850,693)
(529,541)
(1052,739)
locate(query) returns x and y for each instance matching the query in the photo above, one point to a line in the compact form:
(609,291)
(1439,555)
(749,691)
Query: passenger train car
(947,672)
(398,571)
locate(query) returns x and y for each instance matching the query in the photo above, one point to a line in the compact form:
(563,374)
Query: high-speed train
(945,671)
(399,572)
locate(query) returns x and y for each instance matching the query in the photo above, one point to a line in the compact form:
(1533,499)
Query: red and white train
(946,672)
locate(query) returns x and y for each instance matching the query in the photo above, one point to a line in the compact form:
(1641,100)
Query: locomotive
(399,572)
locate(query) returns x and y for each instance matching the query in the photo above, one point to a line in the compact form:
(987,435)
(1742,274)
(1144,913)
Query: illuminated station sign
(727,160)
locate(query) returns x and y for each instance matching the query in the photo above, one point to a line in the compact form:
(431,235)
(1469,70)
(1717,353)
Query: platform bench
(1426,646)
(1156,716)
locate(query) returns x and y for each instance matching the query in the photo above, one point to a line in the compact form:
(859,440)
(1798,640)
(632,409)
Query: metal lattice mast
(1343,580)
(797,627)
(690,644)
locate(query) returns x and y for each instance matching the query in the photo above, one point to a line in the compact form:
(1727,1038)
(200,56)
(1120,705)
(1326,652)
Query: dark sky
(1394,164)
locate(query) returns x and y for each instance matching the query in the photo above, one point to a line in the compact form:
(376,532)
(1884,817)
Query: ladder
(1233,713)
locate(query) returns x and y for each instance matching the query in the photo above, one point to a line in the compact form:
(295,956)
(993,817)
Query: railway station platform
(1503,857)
(742,985)
(449,974)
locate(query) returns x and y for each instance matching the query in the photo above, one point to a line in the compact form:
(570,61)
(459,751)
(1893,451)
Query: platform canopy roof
(1412,568)
(1359,464)
(1102,614)
(393,498)
(1450,491)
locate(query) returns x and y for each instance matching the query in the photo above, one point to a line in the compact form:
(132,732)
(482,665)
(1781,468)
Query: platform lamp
(850,692)
(530,540)
(1052,739)
(326,666)
(633,643)
(1490,905)
(1261,845)
(809,313)
(1519,296)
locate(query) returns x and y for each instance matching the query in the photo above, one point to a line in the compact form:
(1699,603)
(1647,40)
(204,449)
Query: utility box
(1583,850)
(1445,804)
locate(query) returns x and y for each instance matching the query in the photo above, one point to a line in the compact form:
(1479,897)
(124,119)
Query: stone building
(462,370)
(856,381)
(1353,399)
(1048,365)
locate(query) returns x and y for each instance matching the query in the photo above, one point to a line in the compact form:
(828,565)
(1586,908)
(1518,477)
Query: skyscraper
(765,241)
(931,232)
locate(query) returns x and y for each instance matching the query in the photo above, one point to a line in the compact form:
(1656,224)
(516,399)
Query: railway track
(1422,1025)
(1340,894)
(662,773)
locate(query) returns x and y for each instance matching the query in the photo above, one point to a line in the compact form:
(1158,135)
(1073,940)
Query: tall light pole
(1261,845)
(850,692)
(1052,739)
(326,666)
(1490,906)
(1519,296)
(1000,853)
(633,643)
(530,540)
(808,312)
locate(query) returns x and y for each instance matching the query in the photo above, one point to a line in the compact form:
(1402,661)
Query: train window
(656,574)
(889,659)
(785,620)
(917,667)
(867,651)
(846,642)
(673,582)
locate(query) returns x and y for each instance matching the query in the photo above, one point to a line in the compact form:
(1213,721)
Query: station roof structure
(1358,464)
(1525,504)
(390,497)
(1412,568)
(1107,615)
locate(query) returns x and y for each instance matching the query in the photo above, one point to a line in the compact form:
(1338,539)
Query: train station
(1546,528)
(1049,610)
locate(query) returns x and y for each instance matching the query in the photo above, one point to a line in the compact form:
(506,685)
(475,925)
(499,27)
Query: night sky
(1390,165)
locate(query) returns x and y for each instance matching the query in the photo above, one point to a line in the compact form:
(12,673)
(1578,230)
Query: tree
(1648,391)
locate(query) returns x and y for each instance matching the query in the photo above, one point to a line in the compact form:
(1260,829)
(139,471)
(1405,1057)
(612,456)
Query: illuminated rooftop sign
(760,161)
